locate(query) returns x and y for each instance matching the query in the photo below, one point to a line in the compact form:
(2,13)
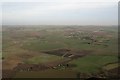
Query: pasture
(28,45)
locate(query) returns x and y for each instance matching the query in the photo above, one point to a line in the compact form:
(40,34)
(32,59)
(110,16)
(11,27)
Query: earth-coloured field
(59,51)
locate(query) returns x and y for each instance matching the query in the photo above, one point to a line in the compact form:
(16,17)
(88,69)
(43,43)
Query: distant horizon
(58,25)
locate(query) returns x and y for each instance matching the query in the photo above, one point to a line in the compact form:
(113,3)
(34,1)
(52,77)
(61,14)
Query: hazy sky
(62,12)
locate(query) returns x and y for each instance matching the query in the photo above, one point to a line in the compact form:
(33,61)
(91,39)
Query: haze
(70,12)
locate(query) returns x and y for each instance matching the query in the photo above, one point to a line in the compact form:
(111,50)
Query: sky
(60,12)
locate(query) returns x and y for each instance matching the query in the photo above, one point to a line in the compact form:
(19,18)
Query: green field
(28,44)
(93,63)
(43,58)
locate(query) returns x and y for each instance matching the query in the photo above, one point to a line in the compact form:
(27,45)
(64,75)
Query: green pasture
(93,63)
(42,58)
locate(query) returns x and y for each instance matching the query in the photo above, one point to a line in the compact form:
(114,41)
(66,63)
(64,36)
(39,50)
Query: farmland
(66,50)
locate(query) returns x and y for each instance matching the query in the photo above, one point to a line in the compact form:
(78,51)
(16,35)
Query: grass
(42,45)
(61,42)
(92,63)
(54,39)
(0,55)
(111,66)
(43,58)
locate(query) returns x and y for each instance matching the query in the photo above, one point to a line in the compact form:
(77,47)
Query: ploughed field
(59,51)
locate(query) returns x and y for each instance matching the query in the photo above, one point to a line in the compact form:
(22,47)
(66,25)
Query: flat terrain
(64,50)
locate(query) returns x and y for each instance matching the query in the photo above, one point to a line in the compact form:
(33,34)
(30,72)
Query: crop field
(66,51)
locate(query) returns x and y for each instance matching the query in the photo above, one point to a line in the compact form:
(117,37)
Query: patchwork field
(65,51)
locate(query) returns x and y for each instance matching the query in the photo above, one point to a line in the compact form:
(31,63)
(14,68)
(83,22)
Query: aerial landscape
(59,39)
(65,51)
